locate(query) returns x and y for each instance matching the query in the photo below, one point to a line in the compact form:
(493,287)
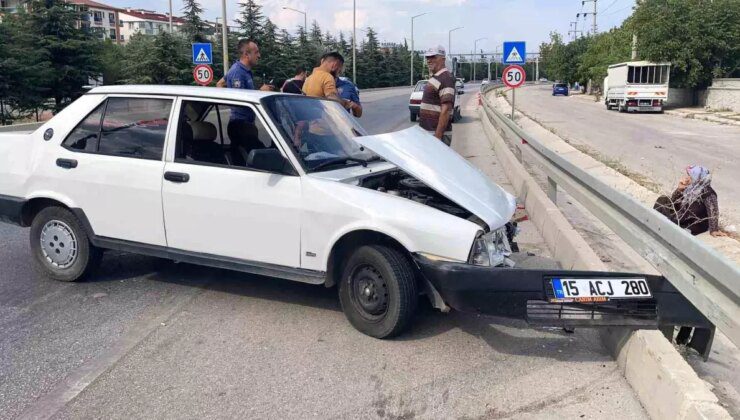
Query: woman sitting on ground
(693,205)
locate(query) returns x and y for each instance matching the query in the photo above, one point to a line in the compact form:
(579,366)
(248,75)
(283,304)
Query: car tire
(413,116)
(61,247)
(378,291)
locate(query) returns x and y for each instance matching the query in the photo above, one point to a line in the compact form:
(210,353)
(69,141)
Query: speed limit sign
(514,76)
(203,74)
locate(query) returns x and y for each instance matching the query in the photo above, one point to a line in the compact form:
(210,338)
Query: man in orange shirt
(322,81)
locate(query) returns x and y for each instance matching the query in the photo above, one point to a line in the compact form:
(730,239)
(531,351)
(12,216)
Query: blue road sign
(515,52)
(202,53)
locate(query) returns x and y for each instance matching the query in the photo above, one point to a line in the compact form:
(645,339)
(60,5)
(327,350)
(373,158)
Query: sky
(495,20)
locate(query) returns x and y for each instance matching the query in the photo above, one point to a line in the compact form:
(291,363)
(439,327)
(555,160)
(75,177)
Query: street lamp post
(475,49)
(305,19)
(449,46)
(412,45)
(354,37)
(449,39)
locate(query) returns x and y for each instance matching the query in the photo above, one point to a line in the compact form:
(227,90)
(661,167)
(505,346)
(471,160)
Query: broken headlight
(491,249)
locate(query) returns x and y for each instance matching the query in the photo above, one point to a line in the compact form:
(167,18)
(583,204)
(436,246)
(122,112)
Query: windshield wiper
(337,161)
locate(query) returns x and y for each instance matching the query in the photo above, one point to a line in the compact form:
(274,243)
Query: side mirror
(269,160)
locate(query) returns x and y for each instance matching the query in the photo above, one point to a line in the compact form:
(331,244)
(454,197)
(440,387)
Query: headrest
(186,132)
(203,131)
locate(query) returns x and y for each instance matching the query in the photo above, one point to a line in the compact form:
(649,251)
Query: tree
(72,53)
(369,61)
(161,59)
(251,21)
(605,49)
(194,26)
(701,39)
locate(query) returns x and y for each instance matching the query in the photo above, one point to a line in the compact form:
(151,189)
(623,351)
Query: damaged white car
(291,187)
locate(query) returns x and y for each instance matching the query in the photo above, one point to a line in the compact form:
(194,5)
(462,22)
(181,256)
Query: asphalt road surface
(659,146)
(148,338)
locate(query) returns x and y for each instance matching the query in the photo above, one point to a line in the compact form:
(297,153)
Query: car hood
(429,160)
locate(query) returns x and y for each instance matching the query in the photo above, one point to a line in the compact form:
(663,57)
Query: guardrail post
(552,190)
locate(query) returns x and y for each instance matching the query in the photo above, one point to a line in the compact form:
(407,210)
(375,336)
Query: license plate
(599,290)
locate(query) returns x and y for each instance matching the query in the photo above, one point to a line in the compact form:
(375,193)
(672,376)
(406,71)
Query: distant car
(560,89)
(543,79)
(462,81)
(459,87)
(415,102)
(484,82)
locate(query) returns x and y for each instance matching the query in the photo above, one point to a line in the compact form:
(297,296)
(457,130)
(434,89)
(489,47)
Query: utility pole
(634,47)
(224,37)
(412,45)
(594,28)
(575,30)
(537,69)
(170,16)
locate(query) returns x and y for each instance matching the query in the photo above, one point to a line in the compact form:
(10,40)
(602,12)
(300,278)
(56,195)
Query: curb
(709,118)
(664,383)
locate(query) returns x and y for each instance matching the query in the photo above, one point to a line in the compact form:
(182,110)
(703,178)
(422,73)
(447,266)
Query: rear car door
(214,202)
(110,165)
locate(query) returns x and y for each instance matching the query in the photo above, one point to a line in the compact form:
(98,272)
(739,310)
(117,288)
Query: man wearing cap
(438,100)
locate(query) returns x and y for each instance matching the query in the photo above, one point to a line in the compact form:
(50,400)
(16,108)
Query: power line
(610,5)
(619,10)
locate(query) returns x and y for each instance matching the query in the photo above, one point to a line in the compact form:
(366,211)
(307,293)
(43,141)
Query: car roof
(179,90)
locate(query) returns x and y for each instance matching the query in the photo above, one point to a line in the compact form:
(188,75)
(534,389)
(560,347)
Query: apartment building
(9,6)
(100,19)
(147,22)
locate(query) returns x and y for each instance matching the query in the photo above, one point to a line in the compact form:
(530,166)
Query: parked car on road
(560,89)
(291,187)
(459,87)
(484,82)
(415,102)
(462,81)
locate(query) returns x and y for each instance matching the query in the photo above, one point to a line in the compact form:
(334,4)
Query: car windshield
(420,86)
(321,132)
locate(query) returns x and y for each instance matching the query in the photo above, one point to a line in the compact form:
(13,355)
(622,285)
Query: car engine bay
(401,184)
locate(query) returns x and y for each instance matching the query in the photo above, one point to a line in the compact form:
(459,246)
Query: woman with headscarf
(693,205)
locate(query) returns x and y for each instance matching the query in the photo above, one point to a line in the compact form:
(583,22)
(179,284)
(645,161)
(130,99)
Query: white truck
(637,86)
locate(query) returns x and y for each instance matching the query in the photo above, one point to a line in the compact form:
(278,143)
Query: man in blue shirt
(348,90)
(241,129)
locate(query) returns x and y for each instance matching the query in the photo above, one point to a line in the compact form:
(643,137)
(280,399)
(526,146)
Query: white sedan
(291,187)
(415,102)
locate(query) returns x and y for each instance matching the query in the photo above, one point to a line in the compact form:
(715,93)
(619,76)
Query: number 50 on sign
(514,76)
(203,74)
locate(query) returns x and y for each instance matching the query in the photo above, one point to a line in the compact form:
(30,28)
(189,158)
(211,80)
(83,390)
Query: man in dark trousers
(438,100)
(295,84)
(242,130)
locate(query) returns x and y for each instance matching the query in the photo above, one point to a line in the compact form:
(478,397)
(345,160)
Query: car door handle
(176,177)
(66,163)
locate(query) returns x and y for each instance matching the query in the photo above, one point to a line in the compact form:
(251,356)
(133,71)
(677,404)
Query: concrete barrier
(665,384)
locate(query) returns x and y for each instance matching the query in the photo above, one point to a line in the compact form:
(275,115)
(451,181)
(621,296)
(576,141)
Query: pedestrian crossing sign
(515,52)
(202,53)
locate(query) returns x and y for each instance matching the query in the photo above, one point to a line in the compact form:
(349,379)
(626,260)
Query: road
(654,145)
(148,338)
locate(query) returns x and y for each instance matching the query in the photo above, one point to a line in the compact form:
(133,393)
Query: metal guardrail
(710,281)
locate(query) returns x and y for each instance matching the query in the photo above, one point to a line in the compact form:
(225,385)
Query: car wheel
(377,291)
(60,245)
(413,117)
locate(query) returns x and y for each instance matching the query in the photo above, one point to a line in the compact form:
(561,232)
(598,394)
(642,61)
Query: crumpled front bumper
(523,293)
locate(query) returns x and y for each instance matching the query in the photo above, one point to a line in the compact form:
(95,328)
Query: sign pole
(513,97)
